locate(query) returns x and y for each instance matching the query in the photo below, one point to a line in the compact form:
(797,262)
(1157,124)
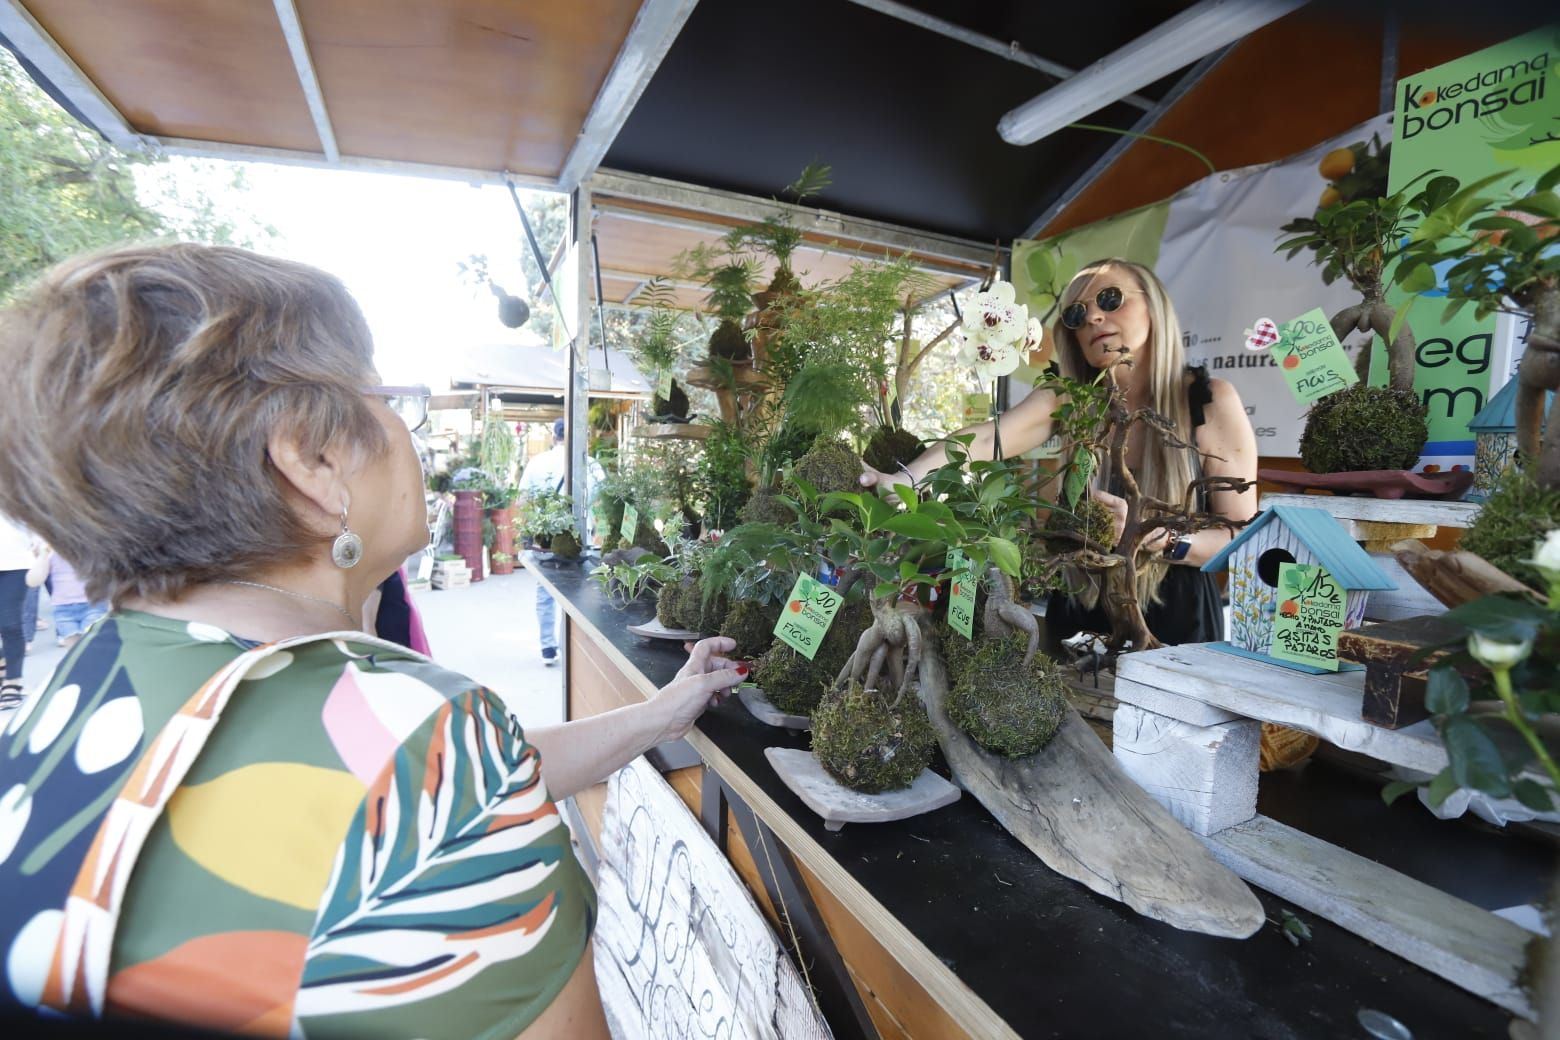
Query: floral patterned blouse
(363,847)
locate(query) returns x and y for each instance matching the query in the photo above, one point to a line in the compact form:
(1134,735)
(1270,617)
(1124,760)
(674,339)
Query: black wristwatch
(1177,550)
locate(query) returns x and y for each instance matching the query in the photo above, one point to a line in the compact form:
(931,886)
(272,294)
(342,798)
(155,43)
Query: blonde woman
(1116,313)
(230,807)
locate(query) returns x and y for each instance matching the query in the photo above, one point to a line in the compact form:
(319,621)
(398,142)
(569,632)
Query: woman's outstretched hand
(701,683)
(1155,543)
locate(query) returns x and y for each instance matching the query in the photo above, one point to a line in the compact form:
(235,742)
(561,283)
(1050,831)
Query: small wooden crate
(1394,680)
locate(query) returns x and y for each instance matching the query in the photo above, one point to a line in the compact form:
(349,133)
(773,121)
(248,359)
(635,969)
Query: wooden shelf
(706,377)
(1431,511)
(672,431)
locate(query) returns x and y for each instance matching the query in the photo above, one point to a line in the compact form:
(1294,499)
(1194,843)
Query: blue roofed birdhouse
(1290,534)
(1494,432)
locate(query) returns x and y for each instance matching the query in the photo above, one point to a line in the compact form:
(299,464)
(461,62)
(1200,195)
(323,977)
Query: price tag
(961,603)
(807,615)
(1309,616)
(598,522)
(663,386)
(1311,359)
(630,522)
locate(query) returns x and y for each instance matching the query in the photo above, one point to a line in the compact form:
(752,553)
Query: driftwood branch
(1456,576)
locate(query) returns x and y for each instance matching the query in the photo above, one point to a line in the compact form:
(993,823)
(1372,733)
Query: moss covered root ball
(1003,706)
(729,342)
(1090,518)
(565,545)
(869,746)
(830,466)
(752,625)
(1364,428)
(1516,516)
(890,448)
(794,684)
(668,604)
(674,405)
(765,508)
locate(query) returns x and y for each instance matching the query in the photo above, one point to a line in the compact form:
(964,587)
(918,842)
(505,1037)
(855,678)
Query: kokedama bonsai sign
(1310,616)
(1311,359)
(809,611)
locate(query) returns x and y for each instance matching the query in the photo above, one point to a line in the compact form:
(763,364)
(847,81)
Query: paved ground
(487,631)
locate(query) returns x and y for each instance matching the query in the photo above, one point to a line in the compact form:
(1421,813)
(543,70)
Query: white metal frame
(298,47)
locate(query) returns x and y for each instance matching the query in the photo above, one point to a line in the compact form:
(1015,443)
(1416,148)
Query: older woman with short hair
(230,807)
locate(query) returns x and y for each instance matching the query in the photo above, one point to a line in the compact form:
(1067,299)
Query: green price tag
(807,615)
(1309,616)
(1311,359)
(956,561)
(961,603)
(663,386)
(598,522)
(630,522)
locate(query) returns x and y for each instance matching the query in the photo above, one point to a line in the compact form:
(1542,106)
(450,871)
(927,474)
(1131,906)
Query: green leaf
(1500,617)
(908,496)
(907,570)
(1078,474)
(914,525)
(1549,181)
(1475,759)
(1534,795)
(1416,278)
(878,511)
(1447,692)
(1441,788)
(885,588)
(1397,789)
(1005,555)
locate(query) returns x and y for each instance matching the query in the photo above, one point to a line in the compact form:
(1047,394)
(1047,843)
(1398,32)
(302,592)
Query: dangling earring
(347,549)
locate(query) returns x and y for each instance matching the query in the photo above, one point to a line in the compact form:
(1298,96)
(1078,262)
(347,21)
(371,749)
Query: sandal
(10,695)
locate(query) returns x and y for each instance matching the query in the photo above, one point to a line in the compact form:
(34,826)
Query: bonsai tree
(1352,235)
(1505,256)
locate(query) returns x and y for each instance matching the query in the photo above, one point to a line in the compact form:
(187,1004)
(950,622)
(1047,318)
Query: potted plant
(546,518)
(470,484)
(500,507)
(503,563)
(1352,235)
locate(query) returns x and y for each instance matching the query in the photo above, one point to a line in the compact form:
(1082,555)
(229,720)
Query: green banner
(1497,109)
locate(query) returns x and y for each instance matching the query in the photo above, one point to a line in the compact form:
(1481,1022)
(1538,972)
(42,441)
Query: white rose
(1497,653)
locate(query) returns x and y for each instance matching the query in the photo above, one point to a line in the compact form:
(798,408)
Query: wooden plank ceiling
(479,84)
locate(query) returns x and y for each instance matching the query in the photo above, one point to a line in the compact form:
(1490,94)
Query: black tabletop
(1054,959)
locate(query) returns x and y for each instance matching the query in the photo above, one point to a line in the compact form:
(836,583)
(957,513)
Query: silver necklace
(295,595)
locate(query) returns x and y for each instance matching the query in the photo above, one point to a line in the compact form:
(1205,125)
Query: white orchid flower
(990,358)
(1498,654)
(994,317)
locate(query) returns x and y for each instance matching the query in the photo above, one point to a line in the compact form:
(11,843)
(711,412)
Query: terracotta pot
(468,530)
(503,566)
(504,523)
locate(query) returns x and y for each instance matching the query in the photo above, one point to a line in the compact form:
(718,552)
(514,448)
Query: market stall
(948,926)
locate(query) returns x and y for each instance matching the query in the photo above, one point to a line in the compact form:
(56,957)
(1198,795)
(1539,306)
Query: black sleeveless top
(1189,609)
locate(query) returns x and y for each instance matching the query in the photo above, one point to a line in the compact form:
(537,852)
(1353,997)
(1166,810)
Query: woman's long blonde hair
(1167,470)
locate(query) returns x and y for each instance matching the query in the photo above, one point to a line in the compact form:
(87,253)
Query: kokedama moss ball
(728,341)
(669,604)
(869,746)
(763,508)
(1517,515)
(1090,518)
(1005,707)
(646,538)
(565,545)
(890,448)
(752,625)
(830,466)
(1364,428)
(784,282)
(693,613)
(794,684)
(675,403)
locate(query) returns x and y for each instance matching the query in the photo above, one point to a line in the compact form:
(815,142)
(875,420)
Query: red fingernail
(742,669)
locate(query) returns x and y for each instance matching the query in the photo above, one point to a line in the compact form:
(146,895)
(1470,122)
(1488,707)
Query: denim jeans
(72,619)
(13,593)
(547,617)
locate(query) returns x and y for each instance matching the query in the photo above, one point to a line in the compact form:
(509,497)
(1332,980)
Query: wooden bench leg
(1205,775)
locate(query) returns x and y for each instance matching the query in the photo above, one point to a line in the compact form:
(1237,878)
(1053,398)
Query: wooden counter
(949,927)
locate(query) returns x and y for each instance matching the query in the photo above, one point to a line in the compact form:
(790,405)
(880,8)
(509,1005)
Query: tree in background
(66,190)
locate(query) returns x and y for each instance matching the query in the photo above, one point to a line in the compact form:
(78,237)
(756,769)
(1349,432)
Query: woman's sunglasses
(1107,299)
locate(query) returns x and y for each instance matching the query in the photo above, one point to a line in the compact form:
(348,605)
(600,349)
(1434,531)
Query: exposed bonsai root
(893,639)
(1003,617)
